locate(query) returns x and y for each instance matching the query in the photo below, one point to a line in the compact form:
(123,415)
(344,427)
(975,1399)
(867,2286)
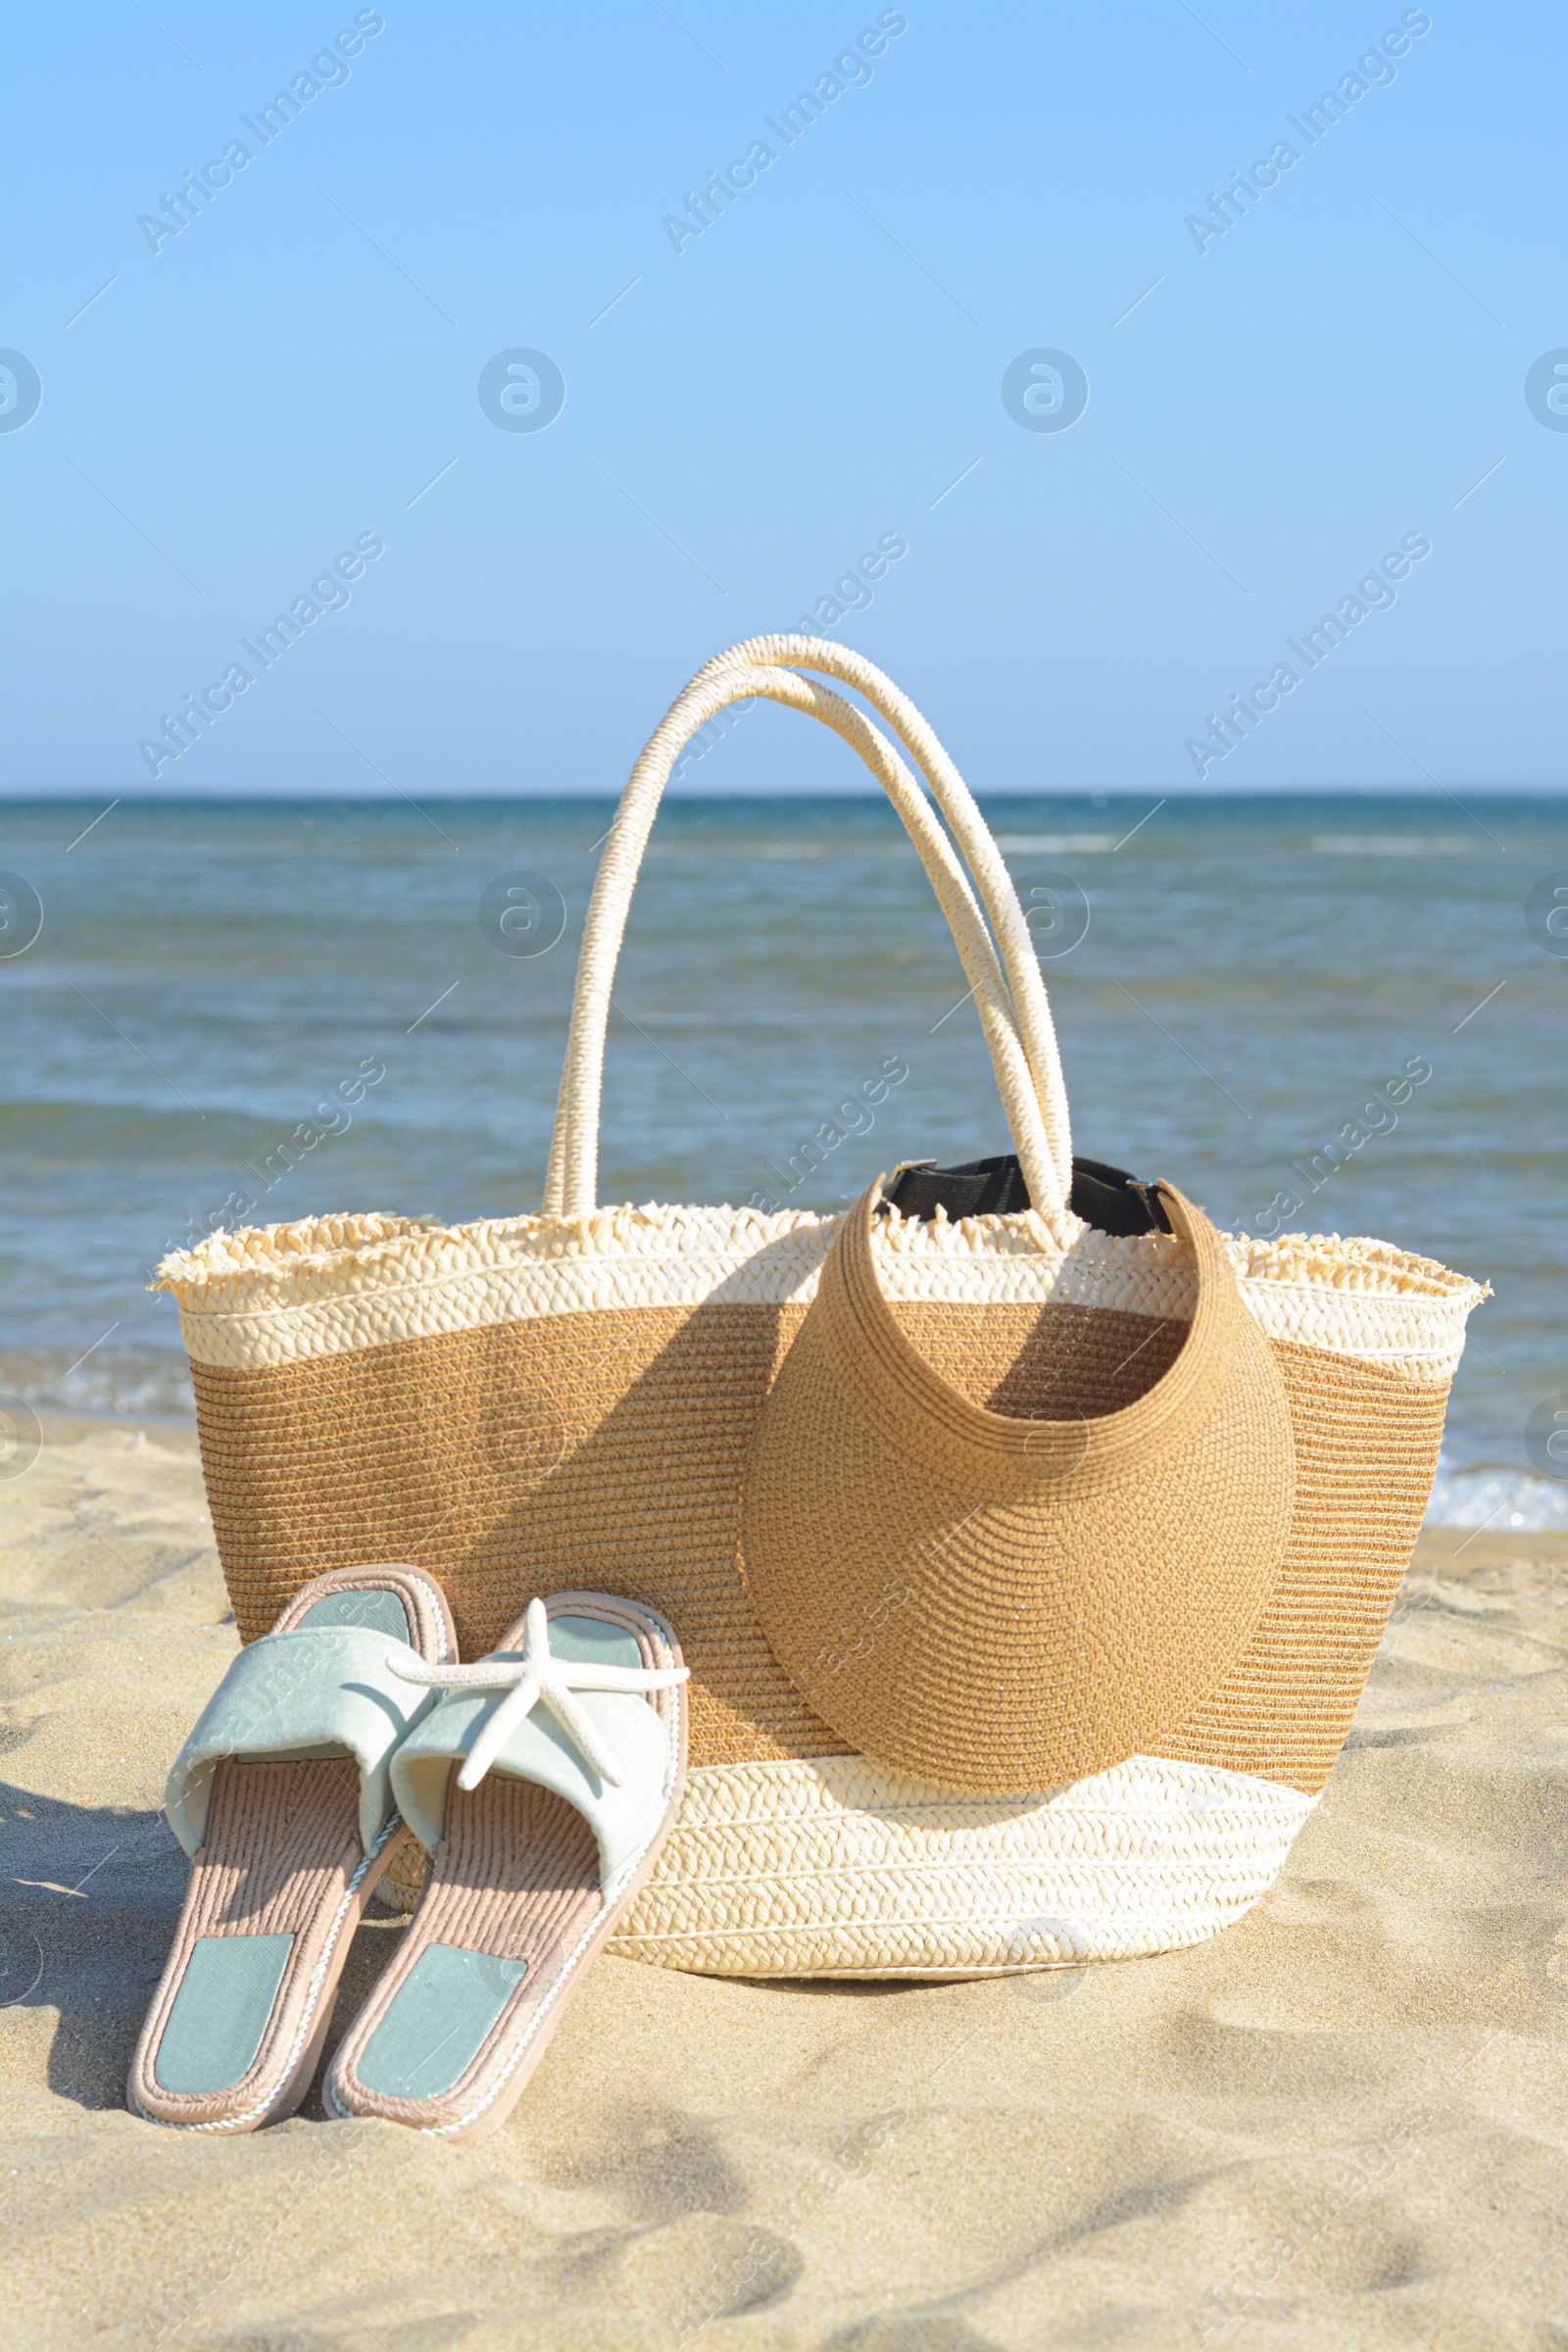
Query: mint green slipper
(282,1798)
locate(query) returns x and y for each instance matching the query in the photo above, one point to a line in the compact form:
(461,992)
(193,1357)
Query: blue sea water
(1234,982)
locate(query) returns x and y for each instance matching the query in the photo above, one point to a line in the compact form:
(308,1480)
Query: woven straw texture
(524,1457)
(837,1868)
(286,1293)
(1049,1593)
(571,1398)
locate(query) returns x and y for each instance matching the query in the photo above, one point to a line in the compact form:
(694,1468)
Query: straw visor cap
(1007,1604)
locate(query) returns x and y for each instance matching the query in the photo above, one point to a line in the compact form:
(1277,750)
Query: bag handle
(571,1185)
(571,1182)
(958,804)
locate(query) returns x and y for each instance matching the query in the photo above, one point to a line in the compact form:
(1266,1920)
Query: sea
(1332,1014)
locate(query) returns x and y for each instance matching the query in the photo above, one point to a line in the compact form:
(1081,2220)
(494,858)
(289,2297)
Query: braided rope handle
(973,835)
(1033,1110)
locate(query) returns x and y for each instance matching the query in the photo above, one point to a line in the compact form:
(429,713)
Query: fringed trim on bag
(252,1267)
(286,1292)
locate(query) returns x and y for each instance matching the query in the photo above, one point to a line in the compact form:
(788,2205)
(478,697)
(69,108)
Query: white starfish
(539,1675)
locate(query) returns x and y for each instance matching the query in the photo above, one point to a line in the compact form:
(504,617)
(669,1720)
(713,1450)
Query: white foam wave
(1502,1500)
(1391,844)
(1043,844)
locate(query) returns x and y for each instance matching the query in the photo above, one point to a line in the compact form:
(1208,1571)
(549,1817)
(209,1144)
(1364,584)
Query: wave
(1502,1500)
(127,1388)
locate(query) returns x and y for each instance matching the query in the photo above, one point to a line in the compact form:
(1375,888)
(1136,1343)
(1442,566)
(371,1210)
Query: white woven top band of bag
(1008,993)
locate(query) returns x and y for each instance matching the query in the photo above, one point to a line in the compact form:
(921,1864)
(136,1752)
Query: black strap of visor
(1104,1197)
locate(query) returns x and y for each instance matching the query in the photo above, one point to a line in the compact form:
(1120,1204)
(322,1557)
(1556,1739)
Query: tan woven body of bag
(1027,1603)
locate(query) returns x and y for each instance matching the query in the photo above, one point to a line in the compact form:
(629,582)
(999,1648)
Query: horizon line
(132,796)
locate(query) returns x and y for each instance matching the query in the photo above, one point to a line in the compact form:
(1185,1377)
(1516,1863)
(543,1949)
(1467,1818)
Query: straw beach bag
(1028,1540)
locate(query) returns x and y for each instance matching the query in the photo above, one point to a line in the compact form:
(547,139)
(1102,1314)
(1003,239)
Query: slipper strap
(294,1695)
(622,1819)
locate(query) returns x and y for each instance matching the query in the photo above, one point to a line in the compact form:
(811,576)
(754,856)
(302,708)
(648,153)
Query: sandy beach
(638,634)
(1340,2124)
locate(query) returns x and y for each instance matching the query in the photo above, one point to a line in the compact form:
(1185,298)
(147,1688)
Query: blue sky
(751,410)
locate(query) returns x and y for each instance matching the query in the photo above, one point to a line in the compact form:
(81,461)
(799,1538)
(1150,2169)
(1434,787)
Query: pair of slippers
(542,1784)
